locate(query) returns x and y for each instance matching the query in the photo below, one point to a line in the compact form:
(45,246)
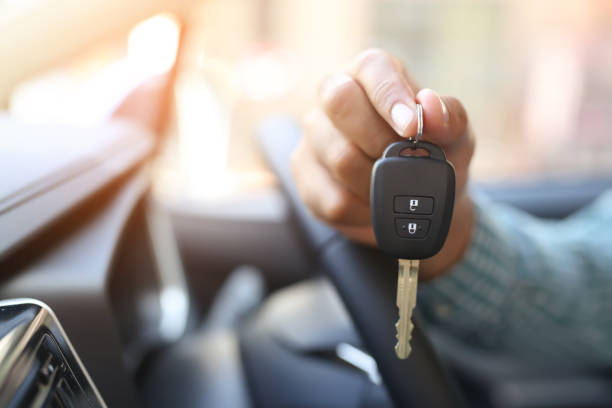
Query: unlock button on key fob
(413,204)
(411,228)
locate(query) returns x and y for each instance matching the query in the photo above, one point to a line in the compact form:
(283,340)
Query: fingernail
(445,114)
(401,115)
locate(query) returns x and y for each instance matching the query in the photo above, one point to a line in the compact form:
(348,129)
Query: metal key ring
(419,114)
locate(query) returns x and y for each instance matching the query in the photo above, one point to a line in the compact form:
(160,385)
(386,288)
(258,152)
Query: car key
(411,200)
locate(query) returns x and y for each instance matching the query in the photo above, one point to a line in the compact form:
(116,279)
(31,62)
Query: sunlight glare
(153,44)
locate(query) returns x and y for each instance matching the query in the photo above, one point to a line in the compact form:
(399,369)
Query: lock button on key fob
(412,200)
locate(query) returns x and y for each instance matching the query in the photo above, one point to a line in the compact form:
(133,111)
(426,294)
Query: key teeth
(399,354)
(403,354)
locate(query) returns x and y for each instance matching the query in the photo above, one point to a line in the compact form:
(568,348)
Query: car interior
(135,272)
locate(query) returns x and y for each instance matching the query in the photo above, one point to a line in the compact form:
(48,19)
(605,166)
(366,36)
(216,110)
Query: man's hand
(360,113)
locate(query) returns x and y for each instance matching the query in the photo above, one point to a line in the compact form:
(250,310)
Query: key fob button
(412,228)
(413,205)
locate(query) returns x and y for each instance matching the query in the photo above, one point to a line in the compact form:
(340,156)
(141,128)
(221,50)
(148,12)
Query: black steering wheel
(366,282)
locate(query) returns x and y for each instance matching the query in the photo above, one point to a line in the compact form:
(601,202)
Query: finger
(345,161)
(326,198)
(387,90)
(414,86)
(444,119)
(348,107)
(446,124)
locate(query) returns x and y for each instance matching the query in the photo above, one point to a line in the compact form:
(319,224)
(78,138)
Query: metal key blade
(407,280)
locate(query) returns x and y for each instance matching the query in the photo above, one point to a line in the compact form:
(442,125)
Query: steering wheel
(366,282)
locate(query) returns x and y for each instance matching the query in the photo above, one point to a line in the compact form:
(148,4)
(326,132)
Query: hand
(359,114)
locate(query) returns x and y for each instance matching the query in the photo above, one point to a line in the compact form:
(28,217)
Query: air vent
(39,367)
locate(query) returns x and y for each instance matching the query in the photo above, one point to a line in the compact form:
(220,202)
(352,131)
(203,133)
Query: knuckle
(370,56)
(337,208)
(309,121)
(337,100)
(343,159)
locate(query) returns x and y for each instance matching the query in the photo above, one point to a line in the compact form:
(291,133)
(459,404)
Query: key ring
(419,114)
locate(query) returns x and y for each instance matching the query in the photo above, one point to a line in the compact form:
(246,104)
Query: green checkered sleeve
(537,289)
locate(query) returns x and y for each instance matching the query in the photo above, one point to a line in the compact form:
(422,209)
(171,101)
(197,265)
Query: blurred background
(534,76)
(203,75)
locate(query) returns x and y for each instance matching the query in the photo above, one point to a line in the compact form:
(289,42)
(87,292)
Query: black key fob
(411,199)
